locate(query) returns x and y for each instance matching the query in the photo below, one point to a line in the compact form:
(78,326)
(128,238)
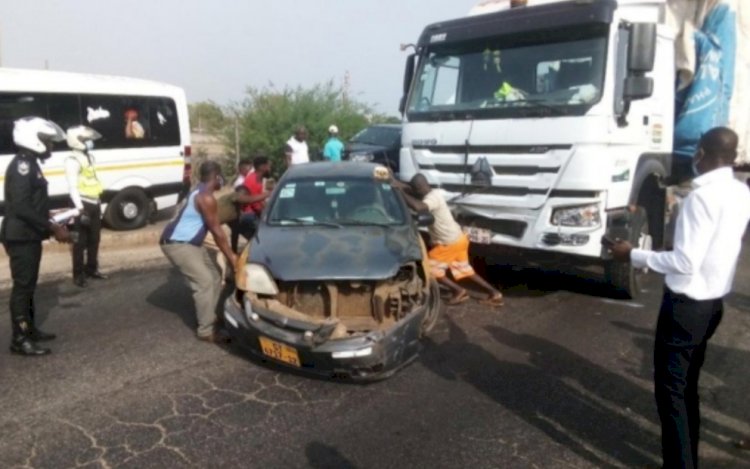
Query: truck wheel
(625,279)
(128,210)
(434,308)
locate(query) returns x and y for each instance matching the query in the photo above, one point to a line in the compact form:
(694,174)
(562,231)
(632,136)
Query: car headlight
(362,157)
(258,280)
(581,216)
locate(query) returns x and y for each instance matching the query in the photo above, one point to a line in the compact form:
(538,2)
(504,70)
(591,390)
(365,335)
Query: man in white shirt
(295,150)
(698,274)
(450,245)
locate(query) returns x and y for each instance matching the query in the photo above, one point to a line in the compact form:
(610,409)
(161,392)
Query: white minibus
(143,157)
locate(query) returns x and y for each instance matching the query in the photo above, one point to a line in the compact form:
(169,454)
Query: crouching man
(182,243)
(450,245)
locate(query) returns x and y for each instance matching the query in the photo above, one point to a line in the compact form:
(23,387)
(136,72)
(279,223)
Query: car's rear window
(339,201)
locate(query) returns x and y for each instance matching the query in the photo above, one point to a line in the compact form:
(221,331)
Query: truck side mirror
(408,76)
(638,87)
(636,56)
(642,48)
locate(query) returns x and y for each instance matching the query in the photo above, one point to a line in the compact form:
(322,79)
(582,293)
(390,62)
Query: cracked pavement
(559,377)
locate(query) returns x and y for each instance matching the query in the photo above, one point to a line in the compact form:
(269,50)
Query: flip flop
(493,301)
(458,299)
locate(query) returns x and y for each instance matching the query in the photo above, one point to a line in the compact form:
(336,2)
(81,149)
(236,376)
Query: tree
(268,117)
(207,116)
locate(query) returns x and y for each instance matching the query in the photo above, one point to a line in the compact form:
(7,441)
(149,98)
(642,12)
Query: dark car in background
(379,144)
(336,281)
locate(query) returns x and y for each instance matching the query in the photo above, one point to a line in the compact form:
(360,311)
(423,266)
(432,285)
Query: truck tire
(625,279)
(434,308)
(128,210)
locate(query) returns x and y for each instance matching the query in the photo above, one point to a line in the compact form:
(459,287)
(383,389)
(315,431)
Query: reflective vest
(88,184)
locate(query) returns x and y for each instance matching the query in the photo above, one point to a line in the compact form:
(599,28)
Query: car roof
(350,170)
(387,126)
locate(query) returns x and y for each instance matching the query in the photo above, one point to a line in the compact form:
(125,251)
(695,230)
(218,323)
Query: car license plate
(279,351)
(478,235)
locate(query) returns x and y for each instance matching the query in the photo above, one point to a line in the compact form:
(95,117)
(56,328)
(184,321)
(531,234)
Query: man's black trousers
(682,333)
(89,234)
(25,258)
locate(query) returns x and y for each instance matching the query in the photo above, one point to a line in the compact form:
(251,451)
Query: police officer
(84,188)
(26,224)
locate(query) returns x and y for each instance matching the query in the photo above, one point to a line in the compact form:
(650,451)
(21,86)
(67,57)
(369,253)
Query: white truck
(548,126)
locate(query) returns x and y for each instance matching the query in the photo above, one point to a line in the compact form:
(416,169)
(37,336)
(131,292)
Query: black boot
(34,333)
(80,280)
(24,346)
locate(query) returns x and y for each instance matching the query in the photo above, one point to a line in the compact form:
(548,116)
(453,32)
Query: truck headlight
(258,280)
(587,216)
(362,157)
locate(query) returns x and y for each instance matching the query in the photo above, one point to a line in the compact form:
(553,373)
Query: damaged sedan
(335,281)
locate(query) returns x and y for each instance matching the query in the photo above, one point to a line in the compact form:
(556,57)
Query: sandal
(495,300)
(463,296)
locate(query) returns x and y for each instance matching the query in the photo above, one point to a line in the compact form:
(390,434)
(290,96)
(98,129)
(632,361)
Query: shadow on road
(536,282)
(576,403)
(320,455)
(175,296)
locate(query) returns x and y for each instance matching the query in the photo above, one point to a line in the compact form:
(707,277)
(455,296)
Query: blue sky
(215,49)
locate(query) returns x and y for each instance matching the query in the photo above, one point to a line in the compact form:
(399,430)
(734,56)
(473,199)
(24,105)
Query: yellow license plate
(279,351)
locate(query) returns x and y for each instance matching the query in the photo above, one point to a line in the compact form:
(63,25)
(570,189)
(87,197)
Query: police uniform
(85,197)
(25,224)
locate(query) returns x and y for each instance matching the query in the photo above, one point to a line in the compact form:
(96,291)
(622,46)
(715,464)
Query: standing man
(254,200)
(699,273)
(85,189)
(450,250)
(26,224)
(244,167)
(334,147)
(182,243)
(295,150)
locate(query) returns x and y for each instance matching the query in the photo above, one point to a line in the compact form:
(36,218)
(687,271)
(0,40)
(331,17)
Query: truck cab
(547,126)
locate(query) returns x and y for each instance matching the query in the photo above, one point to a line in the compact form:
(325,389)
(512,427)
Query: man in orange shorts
(450,249)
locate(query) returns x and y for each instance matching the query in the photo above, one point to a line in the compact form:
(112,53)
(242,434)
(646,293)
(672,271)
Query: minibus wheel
(128,209)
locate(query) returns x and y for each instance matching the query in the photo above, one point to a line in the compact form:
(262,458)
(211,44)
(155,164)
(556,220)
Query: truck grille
(512,228)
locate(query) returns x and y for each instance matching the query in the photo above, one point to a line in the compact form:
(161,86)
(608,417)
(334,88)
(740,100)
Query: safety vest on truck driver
(88,184)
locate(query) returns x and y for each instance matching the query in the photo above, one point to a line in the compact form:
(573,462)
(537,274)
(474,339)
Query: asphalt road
(559,377)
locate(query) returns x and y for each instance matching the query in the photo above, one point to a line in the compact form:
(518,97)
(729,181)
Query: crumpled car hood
(300,253)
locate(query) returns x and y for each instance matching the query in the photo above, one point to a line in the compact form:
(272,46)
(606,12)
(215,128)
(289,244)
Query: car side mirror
(424,219)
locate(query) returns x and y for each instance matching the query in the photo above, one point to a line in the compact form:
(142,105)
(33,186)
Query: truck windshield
(509,77)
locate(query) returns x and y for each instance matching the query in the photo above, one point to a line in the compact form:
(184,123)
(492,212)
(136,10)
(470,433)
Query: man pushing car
(450,245)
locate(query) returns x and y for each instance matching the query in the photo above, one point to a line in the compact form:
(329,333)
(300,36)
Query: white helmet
(33,133)
(333,129)
(79,135)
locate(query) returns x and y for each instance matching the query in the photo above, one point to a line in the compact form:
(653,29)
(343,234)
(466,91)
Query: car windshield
(336,203)
(382,136)
(510,77)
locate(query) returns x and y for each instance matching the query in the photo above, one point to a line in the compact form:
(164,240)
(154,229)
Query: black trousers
(682,333)
(89,235)
(25,257)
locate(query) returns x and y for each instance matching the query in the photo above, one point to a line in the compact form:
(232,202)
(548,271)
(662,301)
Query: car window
(382,136)
(339,201)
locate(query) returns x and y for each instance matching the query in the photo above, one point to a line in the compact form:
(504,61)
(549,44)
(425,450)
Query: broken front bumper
(372,356)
